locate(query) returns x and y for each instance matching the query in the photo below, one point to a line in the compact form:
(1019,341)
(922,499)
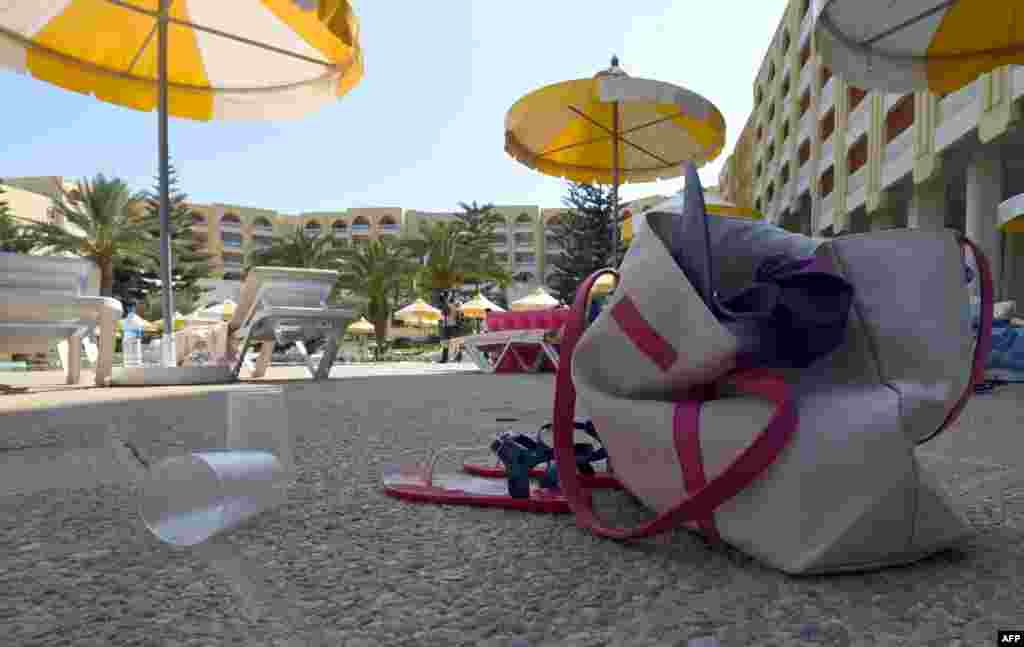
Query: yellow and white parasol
(195,59)
(538,300)
(419,312)
(477,307)
(911,45)
(613,129)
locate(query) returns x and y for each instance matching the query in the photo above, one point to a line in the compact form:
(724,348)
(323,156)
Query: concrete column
(984,190)
(928,205)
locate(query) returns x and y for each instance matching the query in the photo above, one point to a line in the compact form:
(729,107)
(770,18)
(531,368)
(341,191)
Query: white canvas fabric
(847,492)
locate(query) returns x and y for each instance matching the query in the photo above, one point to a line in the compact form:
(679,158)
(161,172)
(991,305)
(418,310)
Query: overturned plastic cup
(185,500)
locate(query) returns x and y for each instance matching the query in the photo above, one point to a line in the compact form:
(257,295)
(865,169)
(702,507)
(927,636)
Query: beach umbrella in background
(613,129)
(911,45)
(194,59)
(477,307)
(537,300)
(362,329)
(216,312)
(418,313)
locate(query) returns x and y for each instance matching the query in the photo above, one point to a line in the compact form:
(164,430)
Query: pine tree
(190,263)
(584,234)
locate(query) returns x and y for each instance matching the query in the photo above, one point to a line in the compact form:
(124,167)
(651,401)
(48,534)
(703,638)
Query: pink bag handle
(700,506)
(984,345)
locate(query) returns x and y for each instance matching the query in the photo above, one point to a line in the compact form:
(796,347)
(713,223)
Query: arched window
(231,219)
(360,226)
(197,220)
(388,226)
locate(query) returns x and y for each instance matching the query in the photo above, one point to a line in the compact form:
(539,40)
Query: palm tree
(297,249)
(376,271)
(100,221)
(13,237)
(452,259)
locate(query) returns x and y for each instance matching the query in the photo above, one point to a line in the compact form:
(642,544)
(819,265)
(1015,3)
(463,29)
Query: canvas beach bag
(809,469)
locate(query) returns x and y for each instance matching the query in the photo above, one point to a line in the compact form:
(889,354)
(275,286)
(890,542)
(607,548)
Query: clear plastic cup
(187,499)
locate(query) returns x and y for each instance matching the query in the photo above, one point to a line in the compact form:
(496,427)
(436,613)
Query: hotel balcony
(311,232)
(524,226)
(827,97)
(827,214)
(826,153)
(389,229)
(524,243)
(804,126)
(340,233)
(899,157)
(958,115)
(858,121)
(231,244)
(803,181)
(856,188)
(360,230)
(262,230)
(500,243)
(806,25)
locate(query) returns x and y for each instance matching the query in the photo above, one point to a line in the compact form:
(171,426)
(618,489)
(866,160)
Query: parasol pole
(615,174)
(169,356)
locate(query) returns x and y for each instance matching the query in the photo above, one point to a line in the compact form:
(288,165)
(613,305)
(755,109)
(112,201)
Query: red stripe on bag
(686,430)
(642,334)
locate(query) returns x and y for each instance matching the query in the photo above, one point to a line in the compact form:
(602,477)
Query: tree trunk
(106,277)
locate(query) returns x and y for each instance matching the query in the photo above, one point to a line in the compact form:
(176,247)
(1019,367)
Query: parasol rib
(601,139)
(223,34)
(619,137)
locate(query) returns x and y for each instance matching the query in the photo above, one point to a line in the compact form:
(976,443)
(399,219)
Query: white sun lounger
(279,304)
(488,350)
(43,298)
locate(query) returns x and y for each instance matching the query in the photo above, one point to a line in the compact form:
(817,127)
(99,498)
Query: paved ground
(341,564)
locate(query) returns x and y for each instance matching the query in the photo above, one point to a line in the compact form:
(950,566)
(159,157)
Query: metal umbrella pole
(169,356)
(615,178)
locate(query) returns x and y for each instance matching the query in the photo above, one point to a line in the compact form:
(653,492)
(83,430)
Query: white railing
(340,233)
(233,244)
(859,120)
(389,228)
(501,243)
(828,98)
(231,226)
(857,180)
(899,144)
(826,149)
(952,104)
(524,244)
(360,229)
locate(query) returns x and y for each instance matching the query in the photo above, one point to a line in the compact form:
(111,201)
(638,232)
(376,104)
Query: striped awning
(227,59)
(911,45)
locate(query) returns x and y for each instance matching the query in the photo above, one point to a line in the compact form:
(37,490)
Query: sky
(425,127)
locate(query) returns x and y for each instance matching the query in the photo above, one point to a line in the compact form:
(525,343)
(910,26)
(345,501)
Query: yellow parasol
(419,312)
(477,307)
(567,130)
(538,300)
(912,45)
(361,327)
(195,59)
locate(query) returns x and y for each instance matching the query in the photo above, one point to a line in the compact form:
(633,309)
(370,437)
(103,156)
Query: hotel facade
(230,233)
(822,157)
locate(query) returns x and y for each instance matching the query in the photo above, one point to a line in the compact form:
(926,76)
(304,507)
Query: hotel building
(820,156)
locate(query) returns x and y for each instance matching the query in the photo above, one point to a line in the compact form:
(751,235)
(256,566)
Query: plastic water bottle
(131,342)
